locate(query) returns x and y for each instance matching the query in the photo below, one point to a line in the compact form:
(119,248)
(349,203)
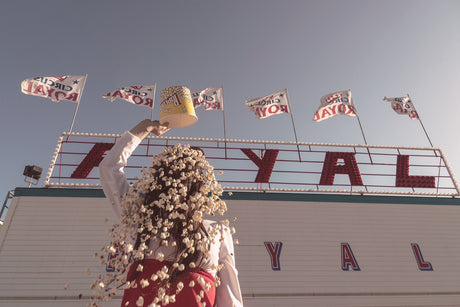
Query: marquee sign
(272,165)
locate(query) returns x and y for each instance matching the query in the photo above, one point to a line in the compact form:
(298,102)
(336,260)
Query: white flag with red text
(333,104)
(141,95)
(269,105)
(55,88)
(403,105)
(210,98)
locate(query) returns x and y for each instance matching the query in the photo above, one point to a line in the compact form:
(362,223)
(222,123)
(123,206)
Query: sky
(252,48)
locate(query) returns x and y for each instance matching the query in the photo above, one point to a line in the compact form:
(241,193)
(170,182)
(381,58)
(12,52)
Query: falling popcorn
(144,283)
(201,280)
(153,220)
(140,301)
(160,256)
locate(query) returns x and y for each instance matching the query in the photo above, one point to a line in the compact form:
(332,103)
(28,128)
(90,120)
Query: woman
(178,258)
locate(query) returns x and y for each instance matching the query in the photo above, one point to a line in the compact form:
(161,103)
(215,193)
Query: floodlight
(32,173)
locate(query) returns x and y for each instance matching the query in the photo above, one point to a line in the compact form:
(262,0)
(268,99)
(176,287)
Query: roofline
(265,196)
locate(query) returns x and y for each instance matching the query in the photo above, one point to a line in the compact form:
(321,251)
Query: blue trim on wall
(264,196)
(342,198)
(58,192)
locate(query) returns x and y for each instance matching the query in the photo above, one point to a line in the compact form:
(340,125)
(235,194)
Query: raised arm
(111,169)
(146,126)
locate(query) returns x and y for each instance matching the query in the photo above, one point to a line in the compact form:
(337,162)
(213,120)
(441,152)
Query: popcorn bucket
(177,107)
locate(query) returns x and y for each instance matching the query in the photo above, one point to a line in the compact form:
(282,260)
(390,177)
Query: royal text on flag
(141,95)
(269,105)
(403,106)
(55,88)
(210,98)
(334,104)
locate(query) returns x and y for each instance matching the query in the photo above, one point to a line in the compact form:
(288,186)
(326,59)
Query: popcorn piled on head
(167,204)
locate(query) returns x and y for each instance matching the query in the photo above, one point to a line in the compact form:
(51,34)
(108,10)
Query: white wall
(48,242)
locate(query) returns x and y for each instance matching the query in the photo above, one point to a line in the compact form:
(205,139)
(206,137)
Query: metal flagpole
(420,120)
(223,117)
(360,126)
(153,103)
(78,104)
(293,125)
(151,114)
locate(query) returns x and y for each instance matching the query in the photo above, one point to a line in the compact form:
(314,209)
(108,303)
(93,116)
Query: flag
(403,105)
(333,104)
(210,98)
(55,88)
(269,105)
(141,95)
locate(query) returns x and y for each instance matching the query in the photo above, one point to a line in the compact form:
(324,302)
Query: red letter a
(330,168)
(348,259)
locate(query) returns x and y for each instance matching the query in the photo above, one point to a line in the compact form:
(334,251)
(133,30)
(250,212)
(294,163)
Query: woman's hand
(146,126)
(157,128)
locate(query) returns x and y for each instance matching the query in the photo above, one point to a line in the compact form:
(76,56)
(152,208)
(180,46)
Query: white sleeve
(112,176)
(228,294)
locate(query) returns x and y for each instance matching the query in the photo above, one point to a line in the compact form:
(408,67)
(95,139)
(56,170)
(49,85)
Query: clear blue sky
(252,48)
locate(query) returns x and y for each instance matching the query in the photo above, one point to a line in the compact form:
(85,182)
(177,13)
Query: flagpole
(78,104)
(420,120)
(153,103)
(293,126)
(223,117)
(360,126)
(151,114)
